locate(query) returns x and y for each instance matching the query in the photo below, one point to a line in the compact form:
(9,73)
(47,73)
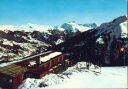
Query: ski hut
(46,63)
(35,66)
(11,76)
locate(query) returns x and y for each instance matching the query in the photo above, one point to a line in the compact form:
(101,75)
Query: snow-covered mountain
(104,41)
(73,26)
(115,29)
(114,34)
(44,28)
(23,40)
(17,41)
(27,28)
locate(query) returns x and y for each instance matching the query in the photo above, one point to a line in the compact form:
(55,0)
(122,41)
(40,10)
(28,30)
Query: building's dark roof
(12,70)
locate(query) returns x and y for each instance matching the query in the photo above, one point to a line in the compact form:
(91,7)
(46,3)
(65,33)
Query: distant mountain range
(20,41)
(78,27)
(44,28)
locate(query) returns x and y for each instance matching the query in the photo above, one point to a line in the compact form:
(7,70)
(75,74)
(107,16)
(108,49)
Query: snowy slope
(79,77)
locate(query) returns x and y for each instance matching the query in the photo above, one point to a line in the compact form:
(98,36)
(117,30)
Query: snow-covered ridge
(28,27)
(116,29)
(73,26)
(44,28)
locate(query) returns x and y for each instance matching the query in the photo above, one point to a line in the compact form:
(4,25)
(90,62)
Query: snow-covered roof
(49,56)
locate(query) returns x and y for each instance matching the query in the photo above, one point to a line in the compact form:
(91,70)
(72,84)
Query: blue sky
(55,12)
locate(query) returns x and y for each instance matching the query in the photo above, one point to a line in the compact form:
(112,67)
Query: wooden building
(11,76)
(46,63)
(35,66)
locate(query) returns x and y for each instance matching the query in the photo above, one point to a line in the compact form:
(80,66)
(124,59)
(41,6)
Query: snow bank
(79,77)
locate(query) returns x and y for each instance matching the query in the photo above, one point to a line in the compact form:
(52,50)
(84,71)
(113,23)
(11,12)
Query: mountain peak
(73,26)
